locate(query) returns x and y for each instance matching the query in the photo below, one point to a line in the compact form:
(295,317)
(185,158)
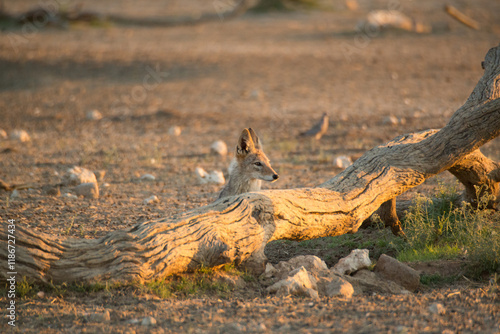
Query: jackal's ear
(254,138)
(245,143)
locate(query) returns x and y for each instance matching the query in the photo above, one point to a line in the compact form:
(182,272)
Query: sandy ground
(276,73)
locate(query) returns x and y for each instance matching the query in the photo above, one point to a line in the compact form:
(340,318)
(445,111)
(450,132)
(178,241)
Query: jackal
(249,167)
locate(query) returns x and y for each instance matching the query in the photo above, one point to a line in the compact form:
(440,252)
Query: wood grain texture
(236,229)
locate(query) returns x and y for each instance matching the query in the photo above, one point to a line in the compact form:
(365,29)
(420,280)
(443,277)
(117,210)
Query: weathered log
(236,229)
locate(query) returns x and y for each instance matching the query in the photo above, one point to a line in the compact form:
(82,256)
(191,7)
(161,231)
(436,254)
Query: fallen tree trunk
(236,229)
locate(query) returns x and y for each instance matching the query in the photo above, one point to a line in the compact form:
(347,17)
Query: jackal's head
(252,162)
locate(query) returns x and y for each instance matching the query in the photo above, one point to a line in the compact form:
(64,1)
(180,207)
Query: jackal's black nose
(276,176)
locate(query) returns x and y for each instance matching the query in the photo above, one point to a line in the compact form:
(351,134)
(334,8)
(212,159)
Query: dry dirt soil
(274,72)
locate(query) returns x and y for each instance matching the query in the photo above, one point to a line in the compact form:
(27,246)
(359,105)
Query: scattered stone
(88,190)
(133,321)
(212,177)
(335,286)
(15,194)
(69,195)
(299,283)
(148,177)
(20,135)
(148,321)
(383,19)
(219,147)
(390,120)
(40,294)
(78,175)
(367,282)
(311,263)
(99,174)
(3,134)
(105,185)
(342,161)
(358,259)
(437,308)
(100,316)
(151,200)
(391,269)
(94,115)
(270,270)
(175,131)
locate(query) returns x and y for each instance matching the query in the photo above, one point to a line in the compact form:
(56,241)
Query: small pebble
(94,115)
(40,294)
(392,120)
(219,147)
(78,175)
(20,135)
(151,199)
(69,195)
(148,177)
(15,194)
(437,308)
(3,134)
(342,161)
(148,321)
(174,131)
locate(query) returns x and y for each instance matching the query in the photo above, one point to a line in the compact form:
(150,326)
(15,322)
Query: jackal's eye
(258,164)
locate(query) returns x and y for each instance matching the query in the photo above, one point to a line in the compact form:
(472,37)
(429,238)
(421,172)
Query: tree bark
(236,229)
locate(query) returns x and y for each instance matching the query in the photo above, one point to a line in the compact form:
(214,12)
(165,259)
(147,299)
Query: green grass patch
(199,283)
(436,280)
(430,253)
(436,229)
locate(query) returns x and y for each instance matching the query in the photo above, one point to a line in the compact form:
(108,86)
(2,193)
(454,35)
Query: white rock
(78,175)
(151,199)
(175,131)
(105,185)
(15,194)
(299,283)
(88,190)
(148,321)
(216,176)
(392,120)
(212,177)
(339,287)
(20,135)
(219,147)
(200,173)
(69,195)
(3,134)
(40,294)
(437,308)
(311,263)
(342,161)
(148,177)
(94,115)
(133,321)
(358,259)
